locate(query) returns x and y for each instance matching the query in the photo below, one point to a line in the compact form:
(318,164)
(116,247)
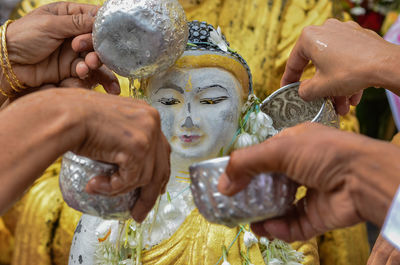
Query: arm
(34,132)
(350,178)
(38,128)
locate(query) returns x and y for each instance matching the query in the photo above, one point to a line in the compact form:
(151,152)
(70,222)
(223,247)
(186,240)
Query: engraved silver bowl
(76,171)
(268,195)
(138,38)
(287,109)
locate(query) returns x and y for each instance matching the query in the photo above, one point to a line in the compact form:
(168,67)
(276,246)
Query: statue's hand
(384,253)
(350,178)
(53,45)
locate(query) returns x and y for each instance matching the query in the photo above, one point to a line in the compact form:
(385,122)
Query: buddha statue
(40,226)
(200,102)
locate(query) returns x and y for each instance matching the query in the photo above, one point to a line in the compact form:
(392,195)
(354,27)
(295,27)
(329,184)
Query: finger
(106,78)
(72,20)
(300,224)
(83,43)
(246,163)
(297,61)
(150,193)
(167,150)
(342,105)
(146,174)
(311,89)
(99,185)
(68,58)
(93,61)
(394,258)
(74,83)
(381,252)
(69,8)
(80,69)
(356,98)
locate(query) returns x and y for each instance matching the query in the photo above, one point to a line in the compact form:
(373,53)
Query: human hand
(53,45)
(346,57)
(339,169)
(124,132)
(384,253)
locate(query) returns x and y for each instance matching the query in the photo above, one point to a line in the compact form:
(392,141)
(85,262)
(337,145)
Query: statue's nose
(188,123)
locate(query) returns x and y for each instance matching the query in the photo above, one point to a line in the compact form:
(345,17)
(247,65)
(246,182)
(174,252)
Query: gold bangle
(5,53)
(3,67)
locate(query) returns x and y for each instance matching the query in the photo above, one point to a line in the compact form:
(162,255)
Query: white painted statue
(200,102)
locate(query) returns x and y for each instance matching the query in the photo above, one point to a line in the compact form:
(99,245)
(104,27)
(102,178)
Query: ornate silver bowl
(138,38)
(287,109)
(76,171)
(268,195)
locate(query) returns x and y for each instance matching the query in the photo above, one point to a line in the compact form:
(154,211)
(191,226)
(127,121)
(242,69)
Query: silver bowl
(76,171)
(138,38)
(268,195)
(287,109)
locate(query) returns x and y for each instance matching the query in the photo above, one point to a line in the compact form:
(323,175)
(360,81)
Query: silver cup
(76,171)
(268,195)
(139,38)
(287,109)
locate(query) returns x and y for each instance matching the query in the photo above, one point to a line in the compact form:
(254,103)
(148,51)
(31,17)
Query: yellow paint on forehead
(214,60)
(189,86)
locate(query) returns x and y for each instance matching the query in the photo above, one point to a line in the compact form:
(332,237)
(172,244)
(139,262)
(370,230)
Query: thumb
(309,89)
(244,164)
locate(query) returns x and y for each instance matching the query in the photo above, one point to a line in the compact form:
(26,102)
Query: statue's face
(199,109)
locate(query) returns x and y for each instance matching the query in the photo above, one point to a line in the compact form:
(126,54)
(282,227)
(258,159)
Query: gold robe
(40,227)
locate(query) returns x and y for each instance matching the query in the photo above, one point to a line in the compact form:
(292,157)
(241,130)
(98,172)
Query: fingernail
(115,88)
(138,217)
(102,187)
(93,12)
(116,183)
(224,183)
(83,45)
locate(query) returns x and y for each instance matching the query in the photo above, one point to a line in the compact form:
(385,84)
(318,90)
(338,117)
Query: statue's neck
(179,178)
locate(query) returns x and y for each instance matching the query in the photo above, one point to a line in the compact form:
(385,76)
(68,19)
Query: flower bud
(249,239)
(243,140)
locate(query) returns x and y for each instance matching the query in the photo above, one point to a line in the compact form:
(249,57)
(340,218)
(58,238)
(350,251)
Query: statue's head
(200,97)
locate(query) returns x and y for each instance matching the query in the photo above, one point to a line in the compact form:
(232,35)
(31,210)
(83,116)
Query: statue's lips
(189,138)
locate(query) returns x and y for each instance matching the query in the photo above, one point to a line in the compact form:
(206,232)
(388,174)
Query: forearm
(376,180)
(34,131)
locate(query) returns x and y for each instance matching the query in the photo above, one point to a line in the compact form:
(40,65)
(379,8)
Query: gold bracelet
(5,53)
(4,71)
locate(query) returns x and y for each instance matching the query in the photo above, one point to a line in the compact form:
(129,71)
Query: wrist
(374,180)
(387,68)
(10,83)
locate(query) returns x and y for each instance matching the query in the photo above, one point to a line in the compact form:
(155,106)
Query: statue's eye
(169,101)
(213,100)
